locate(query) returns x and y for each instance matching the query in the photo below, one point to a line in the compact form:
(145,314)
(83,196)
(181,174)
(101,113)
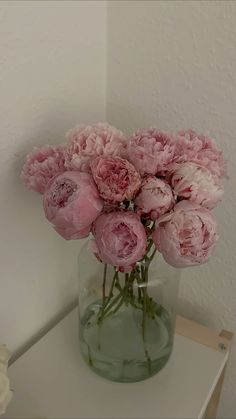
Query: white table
(52,381)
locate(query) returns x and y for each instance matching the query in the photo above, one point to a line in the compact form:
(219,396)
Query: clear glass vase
(126,320)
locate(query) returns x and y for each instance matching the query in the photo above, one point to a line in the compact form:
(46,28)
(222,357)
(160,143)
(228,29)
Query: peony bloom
(186,236)
(154,199)
(5,391)
(41,165)
(151,151)
(198,184)
(72,203)
(120,238)
(85,142)
(200,149)
(117,179)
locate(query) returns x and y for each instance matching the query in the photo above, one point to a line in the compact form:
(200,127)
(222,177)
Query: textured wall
(52,75)
(173,65)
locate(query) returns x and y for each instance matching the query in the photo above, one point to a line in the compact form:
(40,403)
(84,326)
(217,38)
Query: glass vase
(126,319)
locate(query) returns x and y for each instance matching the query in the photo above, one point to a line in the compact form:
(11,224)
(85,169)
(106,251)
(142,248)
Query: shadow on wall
(53,125)
(49,128)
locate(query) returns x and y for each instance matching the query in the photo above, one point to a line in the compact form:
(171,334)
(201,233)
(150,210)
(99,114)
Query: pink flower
(200,149)
(72,203)
(154,199)
(151,151)
(116,178)
(198,184)
(120,238)
(186,236)
(41,165)
(85,142)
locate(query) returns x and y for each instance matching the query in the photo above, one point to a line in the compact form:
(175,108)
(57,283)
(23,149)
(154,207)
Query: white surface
(52,381)
(173,64)
(52,75)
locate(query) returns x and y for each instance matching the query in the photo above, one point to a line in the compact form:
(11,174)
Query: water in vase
(119,348)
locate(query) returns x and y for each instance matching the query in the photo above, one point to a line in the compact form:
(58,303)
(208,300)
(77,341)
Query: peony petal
(72,204)
(120,238)
(186,236)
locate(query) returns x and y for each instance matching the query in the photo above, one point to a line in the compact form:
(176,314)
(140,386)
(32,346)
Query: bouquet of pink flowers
(153,191)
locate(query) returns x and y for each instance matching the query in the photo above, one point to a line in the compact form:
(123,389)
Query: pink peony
(198,184)
(72,203)
(186,236)
(85,142)
(154,199)
(117,179)
(151,151)
(200,149)
(41,165)
(120,238)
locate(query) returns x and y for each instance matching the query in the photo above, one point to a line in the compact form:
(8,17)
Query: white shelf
(52,381)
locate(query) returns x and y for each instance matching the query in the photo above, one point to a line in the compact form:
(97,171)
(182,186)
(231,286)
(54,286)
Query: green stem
(128,289)
(110,295)
(122,297)
(111,304)
(145,280)
(103,292)
(117,283)
(152,255)
(109,301)
(139,281)
(104,284)
(149,246)
(115,309)
(108,308)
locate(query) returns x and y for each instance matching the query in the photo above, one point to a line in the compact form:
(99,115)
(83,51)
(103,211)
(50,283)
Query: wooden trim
(202,334)
(226,334)
(211,410)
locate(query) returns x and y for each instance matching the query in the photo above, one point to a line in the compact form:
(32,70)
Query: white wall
(173,65)
(52,75)
(170,64)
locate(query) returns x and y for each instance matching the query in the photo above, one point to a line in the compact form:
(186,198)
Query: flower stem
(149,246)
(103,296)
(152,255)
(112,303)
(114,280)
(145,279)
(125,295)
(104,284)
